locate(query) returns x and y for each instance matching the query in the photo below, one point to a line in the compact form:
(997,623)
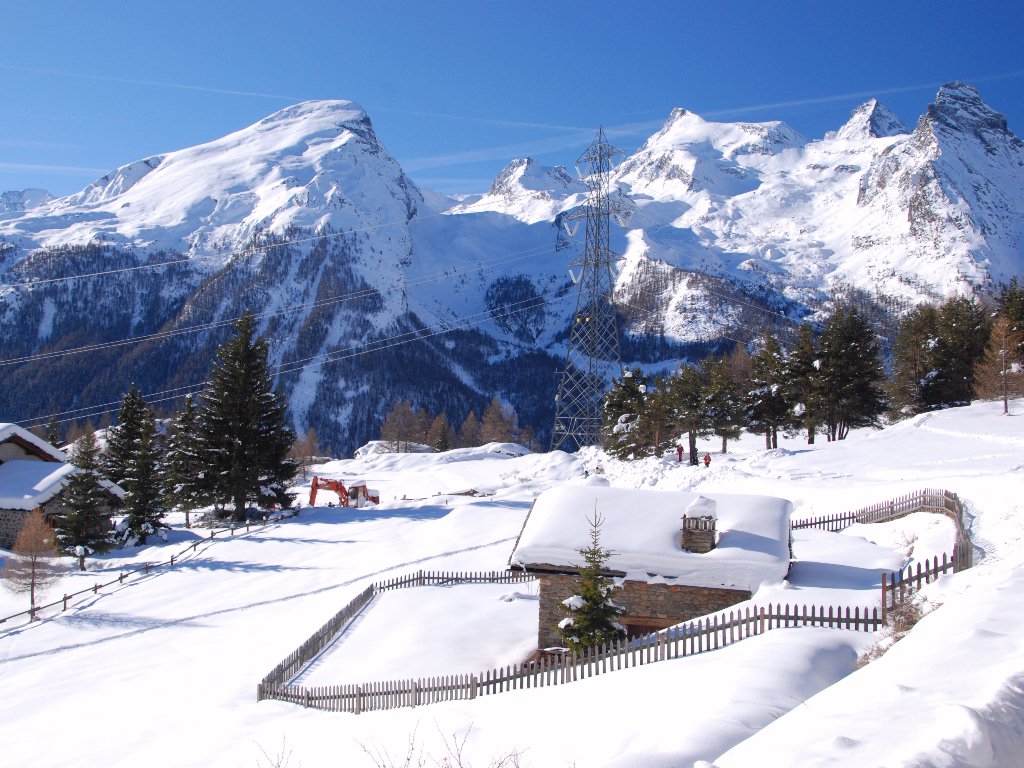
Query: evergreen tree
(804,381)
(53,432)
(851,374)
(962,333)
(141,481)
(439,436)
(243,426)
(184,467)
(913,358)
(1011,304)
(123,439)
(768,406)
(625,426)
(593,615)
(84,527)
(690,408)
(724,400)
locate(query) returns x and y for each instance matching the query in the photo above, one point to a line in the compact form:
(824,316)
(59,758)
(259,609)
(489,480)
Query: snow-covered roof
(643,529)
(26,484)
(11,431)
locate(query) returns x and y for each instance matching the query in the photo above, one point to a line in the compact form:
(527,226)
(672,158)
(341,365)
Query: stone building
(676,555)
(32,476)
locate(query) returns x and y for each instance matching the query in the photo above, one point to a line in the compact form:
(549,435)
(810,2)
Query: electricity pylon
(592,356)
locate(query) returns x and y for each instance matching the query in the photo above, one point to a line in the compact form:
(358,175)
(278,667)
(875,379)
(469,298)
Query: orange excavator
(355,495)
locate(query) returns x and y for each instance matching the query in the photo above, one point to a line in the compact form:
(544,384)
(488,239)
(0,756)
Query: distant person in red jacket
(679,453)
(707,459)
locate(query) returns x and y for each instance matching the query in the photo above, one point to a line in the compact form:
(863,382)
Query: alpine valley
(372,291)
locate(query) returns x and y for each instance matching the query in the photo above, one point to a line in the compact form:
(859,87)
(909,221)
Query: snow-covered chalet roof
(12,432)
(643,528)
(27,483)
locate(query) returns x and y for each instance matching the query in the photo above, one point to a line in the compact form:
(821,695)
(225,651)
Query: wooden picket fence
(557,669)
(898,587)
(278,679)
(927,500)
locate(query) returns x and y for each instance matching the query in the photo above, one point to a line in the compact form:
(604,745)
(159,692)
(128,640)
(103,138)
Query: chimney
(699,525)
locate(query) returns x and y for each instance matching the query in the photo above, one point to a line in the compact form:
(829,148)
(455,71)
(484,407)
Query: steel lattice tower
(592,357)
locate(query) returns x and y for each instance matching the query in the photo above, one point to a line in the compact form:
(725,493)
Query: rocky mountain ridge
(370,294)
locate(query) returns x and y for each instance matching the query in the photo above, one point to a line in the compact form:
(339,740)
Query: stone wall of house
(11,520)
(651,606)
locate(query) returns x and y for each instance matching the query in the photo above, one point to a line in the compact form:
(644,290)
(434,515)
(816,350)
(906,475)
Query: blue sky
(457,89)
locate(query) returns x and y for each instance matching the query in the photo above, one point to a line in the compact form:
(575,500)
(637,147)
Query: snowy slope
(314,164)
(189,644)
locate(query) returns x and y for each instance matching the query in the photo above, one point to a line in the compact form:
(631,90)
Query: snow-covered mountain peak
(959,106)
(684,128)
(23,199)
(871,120)
(314,164)
(528,191)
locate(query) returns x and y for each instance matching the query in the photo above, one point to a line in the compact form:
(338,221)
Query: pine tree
(593,615)
(184,468)
(33,566)
(84,527)
(768,406)
(243,426)
(851,374)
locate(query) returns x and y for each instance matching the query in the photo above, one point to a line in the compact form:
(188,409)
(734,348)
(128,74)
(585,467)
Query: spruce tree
(724,400)
(143,490)
(769,408)
(184,469)
(243,426)
(440,437)
(690,408)
(84,527)
(913,359)
(802,367)
(624,428)
(851,374)
(962,333)
(123,438)
(593,615)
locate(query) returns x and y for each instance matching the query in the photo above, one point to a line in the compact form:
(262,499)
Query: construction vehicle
(355,495)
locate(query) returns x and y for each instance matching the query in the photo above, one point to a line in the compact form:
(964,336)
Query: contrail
(130,81)
(69,169)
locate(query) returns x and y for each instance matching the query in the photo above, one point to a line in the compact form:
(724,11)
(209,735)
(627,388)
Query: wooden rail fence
(144,570)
